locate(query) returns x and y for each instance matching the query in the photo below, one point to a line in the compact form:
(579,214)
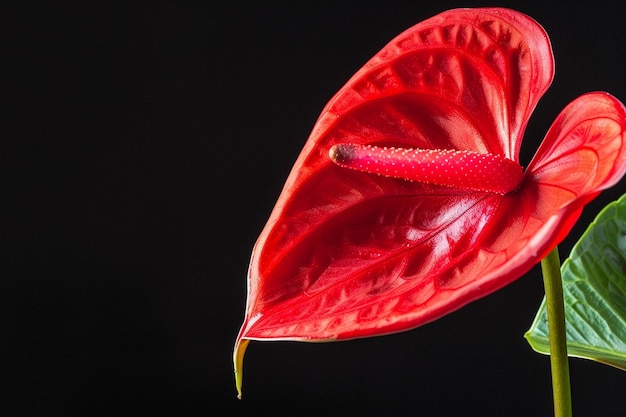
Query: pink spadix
(453,168)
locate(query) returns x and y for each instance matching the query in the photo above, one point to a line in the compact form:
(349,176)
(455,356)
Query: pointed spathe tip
(238,354)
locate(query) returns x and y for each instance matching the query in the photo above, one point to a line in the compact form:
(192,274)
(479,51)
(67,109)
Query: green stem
(551,268)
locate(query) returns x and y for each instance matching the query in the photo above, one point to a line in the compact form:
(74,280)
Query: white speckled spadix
(448,167)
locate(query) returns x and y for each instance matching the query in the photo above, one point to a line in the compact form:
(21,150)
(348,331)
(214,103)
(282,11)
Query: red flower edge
(347,253)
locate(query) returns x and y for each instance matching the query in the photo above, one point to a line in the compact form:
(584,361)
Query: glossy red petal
(348,254)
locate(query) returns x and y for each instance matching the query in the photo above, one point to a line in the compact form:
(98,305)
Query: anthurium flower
(408,200)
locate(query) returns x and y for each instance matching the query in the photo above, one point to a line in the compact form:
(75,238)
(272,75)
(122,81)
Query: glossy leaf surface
(350,254)
(594,292)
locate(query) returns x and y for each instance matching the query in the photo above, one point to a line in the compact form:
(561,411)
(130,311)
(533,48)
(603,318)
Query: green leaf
(594,291)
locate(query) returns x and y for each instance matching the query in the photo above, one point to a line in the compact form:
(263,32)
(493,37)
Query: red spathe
(349,254)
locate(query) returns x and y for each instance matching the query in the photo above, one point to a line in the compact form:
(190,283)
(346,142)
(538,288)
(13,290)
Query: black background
(144,150)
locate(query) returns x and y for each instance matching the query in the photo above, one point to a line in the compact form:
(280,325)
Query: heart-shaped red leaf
(348,253)
(465,79)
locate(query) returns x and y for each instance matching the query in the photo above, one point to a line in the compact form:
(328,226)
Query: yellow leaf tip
(238,354)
